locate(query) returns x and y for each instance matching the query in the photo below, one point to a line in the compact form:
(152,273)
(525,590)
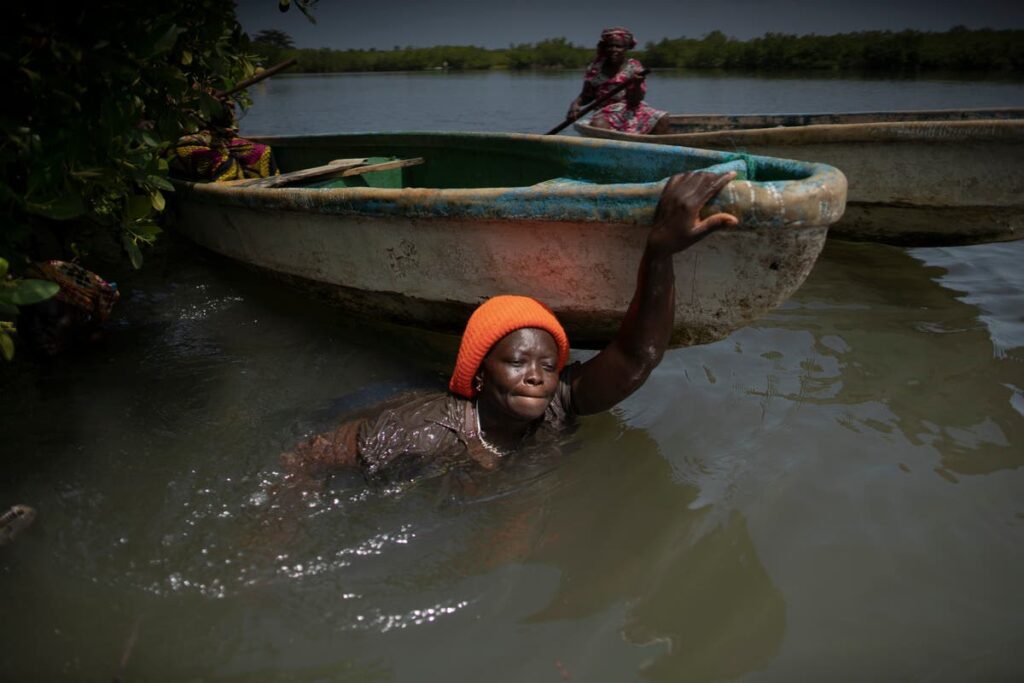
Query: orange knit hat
(491,321)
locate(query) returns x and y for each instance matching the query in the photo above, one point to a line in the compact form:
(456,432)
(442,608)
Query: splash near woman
(626,110)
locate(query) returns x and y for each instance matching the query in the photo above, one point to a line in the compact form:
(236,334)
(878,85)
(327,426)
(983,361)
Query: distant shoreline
(993,76)
(959,50)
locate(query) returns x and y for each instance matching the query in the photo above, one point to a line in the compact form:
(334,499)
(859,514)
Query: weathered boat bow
(560,219)
(917,178)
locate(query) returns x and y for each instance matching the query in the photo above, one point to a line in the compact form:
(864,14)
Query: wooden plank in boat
(385,166)
(338,168)
(330,169)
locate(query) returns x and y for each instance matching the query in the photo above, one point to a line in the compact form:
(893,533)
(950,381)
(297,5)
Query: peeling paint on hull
(925,178)
(428,255)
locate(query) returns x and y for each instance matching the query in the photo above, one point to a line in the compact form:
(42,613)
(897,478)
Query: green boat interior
(458,162)
(396,177)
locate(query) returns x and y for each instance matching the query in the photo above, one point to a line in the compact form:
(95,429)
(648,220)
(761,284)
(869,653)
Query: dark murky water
(834,492)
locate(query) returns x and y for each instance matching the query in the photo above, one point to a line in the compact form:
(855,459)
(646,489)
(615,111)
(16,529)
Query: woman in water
(512,383)
(625,111)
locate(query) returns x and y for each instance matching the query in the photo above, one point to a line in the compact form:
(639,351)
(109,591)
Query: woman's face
(615,50)
(520,375)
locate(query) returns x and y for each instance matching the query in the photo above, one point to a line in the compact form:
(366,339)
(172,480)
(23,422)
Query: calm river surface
(835,492)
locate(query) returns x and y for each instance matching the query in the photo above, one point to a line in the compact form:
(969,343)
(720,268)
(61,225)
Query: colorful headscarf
(615,32)
(490,322)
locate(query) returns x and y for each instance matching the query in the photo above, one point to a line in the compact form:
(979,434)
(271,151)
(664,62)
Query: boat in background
(917,178)
(456,218)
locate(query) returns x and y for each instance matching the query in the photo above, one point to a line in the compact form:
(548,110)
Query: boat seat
(380,172)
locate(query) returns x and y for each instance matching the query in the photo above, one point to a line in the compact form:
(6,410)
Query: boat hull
(428,256)
(915,178)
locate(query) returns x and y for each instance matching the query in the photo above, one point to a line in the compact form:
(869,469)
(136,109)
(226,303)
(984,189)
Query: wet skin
(517,381)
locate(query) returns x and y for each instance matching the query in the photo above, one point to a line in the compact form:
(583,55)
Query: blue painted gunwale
(623,181)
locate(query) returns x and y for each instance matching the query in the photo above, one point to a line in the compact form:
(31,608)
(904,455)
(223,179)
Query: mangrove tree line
(901,52)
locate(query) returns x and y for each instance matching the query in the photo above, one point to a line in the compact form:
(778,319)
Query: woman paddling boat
(625,111)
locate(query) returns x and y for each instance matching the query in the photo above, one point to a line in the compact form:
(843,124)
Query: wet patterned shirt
(420,435)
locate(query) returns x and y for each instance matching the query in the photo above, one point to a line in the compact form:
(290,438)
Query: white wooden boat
(917,178)
(472,215)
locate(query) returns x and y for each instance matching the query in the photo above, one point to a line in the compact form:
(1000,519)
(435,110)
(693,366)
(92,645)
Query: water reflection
(620,530)
(886,332)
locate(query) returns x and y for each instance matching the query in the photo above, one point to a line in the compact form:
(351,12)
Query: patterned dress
(596,84)
(640,119)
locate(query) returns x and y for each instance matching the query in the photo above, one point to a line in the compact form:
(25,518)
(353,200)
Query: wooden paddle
(598,102)
(227,108)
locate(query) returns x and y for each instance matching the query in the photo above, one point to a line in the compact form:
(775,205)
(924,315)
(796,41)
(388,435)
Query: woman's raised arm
(624,365)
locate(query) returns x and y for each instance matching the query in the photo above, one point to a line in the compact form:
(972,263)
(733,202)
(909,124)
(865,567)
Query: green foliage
(274,38)
(14,293)
(552,53)
(548,54)
(323,60)
(893,52)
(273,46)
(95,94)
(959,49)
(305,6)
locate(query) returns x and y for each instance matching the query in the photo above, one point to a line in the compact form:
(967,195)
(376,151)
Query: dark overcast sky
(383,24)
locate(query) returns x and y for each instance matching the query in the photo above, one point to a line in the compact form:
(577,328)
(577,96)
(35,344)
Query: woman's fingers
(716,221)
(692,190)
(704,184)
(714,183)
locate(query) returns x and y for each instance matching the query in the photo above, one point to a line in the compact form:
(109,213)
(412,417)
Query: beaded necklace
(484,442)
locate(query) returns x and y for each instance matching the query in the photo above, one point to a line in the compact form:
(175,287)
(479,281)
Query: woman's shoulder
(415,410)
(418,425)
